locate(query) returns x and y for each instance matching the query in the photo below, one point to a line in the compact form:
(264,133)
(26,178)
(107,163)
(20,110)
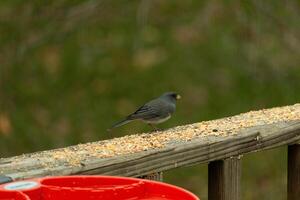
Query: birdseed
(76,155)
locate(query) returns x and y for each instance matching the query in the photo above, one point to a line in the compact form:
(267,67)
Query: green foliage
(69,69)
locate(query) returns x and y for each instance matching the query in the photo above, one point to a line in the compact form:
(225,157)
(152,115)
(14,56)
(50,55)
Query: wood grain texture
(224,179)
(157,176)
(173,155)
(294,172)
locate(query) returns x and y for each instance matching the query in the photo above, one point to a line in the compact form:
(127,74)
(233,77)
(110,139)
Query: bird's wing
(154,109)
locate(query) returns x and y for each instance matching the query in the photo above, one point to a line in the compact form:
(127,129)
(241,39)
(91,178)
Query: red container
(92,188)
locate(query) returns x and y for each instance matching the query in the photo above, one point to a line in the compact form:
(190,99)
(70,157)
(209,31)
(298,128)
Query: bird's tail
(120,123)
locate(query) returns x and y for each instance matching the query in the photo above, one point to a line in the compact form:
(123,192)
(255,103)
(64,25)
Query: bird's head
(171,96)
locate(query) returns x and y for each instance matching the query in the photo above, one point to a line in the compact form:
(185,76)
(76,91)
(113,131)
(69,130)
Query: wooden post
(224,179)
(293,172)
(158,176)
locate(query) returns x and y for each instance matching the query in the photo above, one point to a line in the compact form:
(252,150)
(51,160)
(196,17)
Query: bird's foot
(154,128)
(157,129)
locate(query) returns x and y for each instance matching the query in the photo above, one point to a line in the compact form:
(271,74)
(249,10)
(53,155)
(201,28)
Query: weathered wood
(224,179)
(201,150)
(294,172)
(157,176)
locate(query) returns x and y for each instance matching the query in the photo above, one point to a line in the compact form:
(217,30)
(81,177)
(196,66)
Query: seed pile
(75,155)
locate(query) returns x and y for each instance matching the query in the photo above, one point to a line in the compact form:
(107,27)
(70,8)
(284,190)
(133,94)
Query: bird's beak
(178,96)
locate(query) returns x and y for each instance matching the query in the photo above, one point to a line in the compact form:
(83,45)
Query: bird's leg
(154,127)
(109,131)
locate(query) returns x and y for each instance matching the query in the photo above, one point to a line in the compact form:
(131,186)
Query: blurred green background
(69,69)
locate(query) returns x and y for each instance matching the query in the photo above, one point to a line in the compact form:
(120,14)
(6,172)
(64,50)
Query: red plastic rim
(93,188)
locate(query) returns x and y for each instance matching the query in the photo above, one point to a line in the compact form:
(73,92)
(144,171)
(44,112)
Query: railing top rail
(141,154)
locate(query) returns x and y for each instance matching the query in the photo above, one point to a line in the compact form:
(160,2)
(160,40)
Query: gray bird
(154,112)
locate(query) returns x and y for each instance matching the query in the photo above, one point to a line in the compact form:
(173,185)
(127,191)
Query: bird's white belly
(157,121)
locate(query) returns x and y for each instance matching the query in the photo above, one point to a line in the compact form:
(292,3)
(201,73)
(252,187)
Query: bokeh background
(70,68)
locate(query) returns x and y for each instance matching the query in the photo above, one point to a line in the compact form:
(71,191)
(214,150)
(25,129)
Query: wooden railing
(220,143)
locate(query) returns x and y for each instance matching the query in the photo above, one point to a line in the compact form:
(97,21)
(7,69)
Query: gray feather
(120,123)
(157,108)
(155,111)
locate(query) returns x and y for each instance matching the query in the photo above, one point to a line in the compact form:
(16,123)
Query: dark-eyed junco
(154,112)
